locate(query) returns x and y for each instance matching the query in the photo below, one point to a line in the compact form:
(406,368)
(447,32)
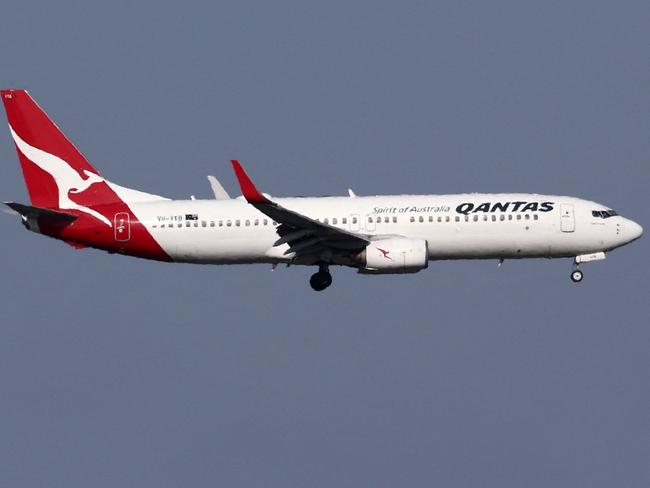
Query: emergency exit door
(567,218)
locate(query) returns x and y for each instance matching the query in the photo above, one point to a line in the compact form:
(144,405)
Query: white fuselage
(463,226)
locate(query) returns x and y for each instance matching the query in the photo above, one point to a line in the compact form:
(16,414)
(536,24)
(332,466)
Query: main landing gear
(321,280)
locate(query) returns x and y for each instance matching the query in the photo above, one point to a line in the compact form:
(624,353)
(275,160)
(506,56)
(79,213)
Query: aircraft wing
(304,235)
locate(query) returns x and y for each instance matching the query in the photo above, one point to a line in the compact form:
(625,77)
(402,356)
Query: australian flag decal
(191,217)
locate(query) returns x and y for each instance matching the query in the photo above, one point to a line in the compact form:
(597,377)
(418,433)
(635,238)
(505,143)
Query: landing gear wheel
(576,276)
(321,280)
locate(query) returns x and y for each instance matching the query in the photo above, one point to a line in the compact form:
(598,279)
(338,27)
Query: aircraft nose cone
(635,230)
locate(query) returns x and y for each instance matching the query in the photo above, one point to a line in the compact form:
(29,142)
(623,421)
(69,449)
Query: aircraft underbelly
(513,245)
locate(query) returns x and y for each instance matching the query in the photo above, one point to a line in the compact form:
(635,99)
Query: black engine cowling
(395,255)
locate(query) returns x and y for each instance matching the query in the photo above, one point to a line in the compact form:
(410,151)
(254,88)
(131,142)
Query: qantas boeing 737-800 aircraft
(71,201)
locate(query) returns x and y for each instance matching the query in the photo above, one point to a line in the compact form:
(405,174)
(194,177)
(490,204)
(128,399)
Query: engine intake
(393,256)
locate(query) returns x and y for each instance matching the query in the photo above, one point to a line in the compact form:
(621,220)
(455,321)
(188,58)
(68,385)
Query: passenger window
(212,223)
(394,220)
(457,218)
(439,219)
(527,217)
(170,225)
(257,221)
(518,216)
(421,219)
(187,224)
(196,223)
(430,218)
(502,217)
(466,218)
(494,218)
(221,223)
(237,222)
(485,217)
(265,222)
(354,220)
(180,224)
(344,220)
(509,216)
(370,219)
(326,220)
(535,217)
(447,218)
(335,221)
(386,220)
(475,218)
(228,223)
(204,223)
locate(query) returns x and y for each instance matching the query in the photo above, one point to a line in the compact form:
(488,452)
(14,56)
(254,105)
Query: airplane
(392,234)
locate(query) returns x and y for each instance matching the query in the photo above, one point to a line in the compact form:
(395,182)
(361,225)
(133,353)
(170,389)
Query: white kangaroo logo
(66,178)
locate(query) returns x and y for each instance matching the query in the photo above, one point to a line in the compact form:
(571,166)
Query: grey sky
(121,372)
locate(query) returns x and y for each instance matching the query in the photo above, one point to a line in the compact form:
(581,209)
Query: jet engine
(392,256)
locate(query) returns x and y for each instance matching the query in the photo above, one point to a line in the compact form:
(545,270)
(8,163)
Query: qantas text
(465,208)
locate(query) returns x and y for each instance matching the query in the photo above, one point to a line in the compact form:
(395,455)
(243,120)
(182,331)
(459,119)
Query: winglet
(247,187)
(217,188)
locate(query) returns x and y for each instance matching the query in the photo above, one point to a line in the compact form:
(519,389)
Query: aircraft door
(567,218)
(122,227)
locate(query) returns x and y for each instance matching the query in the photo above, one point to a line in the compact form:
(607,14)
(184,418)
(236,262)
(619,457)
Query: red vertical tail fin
(51,164)
(70,199)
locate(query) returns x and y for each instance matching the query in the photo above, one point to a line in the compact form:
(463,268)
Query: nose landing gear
(322,279)
(576,276)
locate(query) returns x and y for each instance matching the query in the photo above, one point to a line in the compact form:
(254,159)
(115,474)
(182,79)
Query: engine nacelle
(396,255)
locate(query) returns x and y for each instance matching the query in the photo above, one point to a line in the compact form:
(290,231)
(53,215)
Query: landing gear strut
(321,280)
(576,274)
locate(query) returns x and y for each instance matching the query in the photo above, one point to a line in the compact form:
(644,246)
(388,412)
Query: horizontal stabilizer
(31,212)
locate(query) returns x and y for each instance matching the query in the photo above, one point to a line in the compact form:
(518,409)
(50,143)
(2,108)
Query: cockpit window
(603,214)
